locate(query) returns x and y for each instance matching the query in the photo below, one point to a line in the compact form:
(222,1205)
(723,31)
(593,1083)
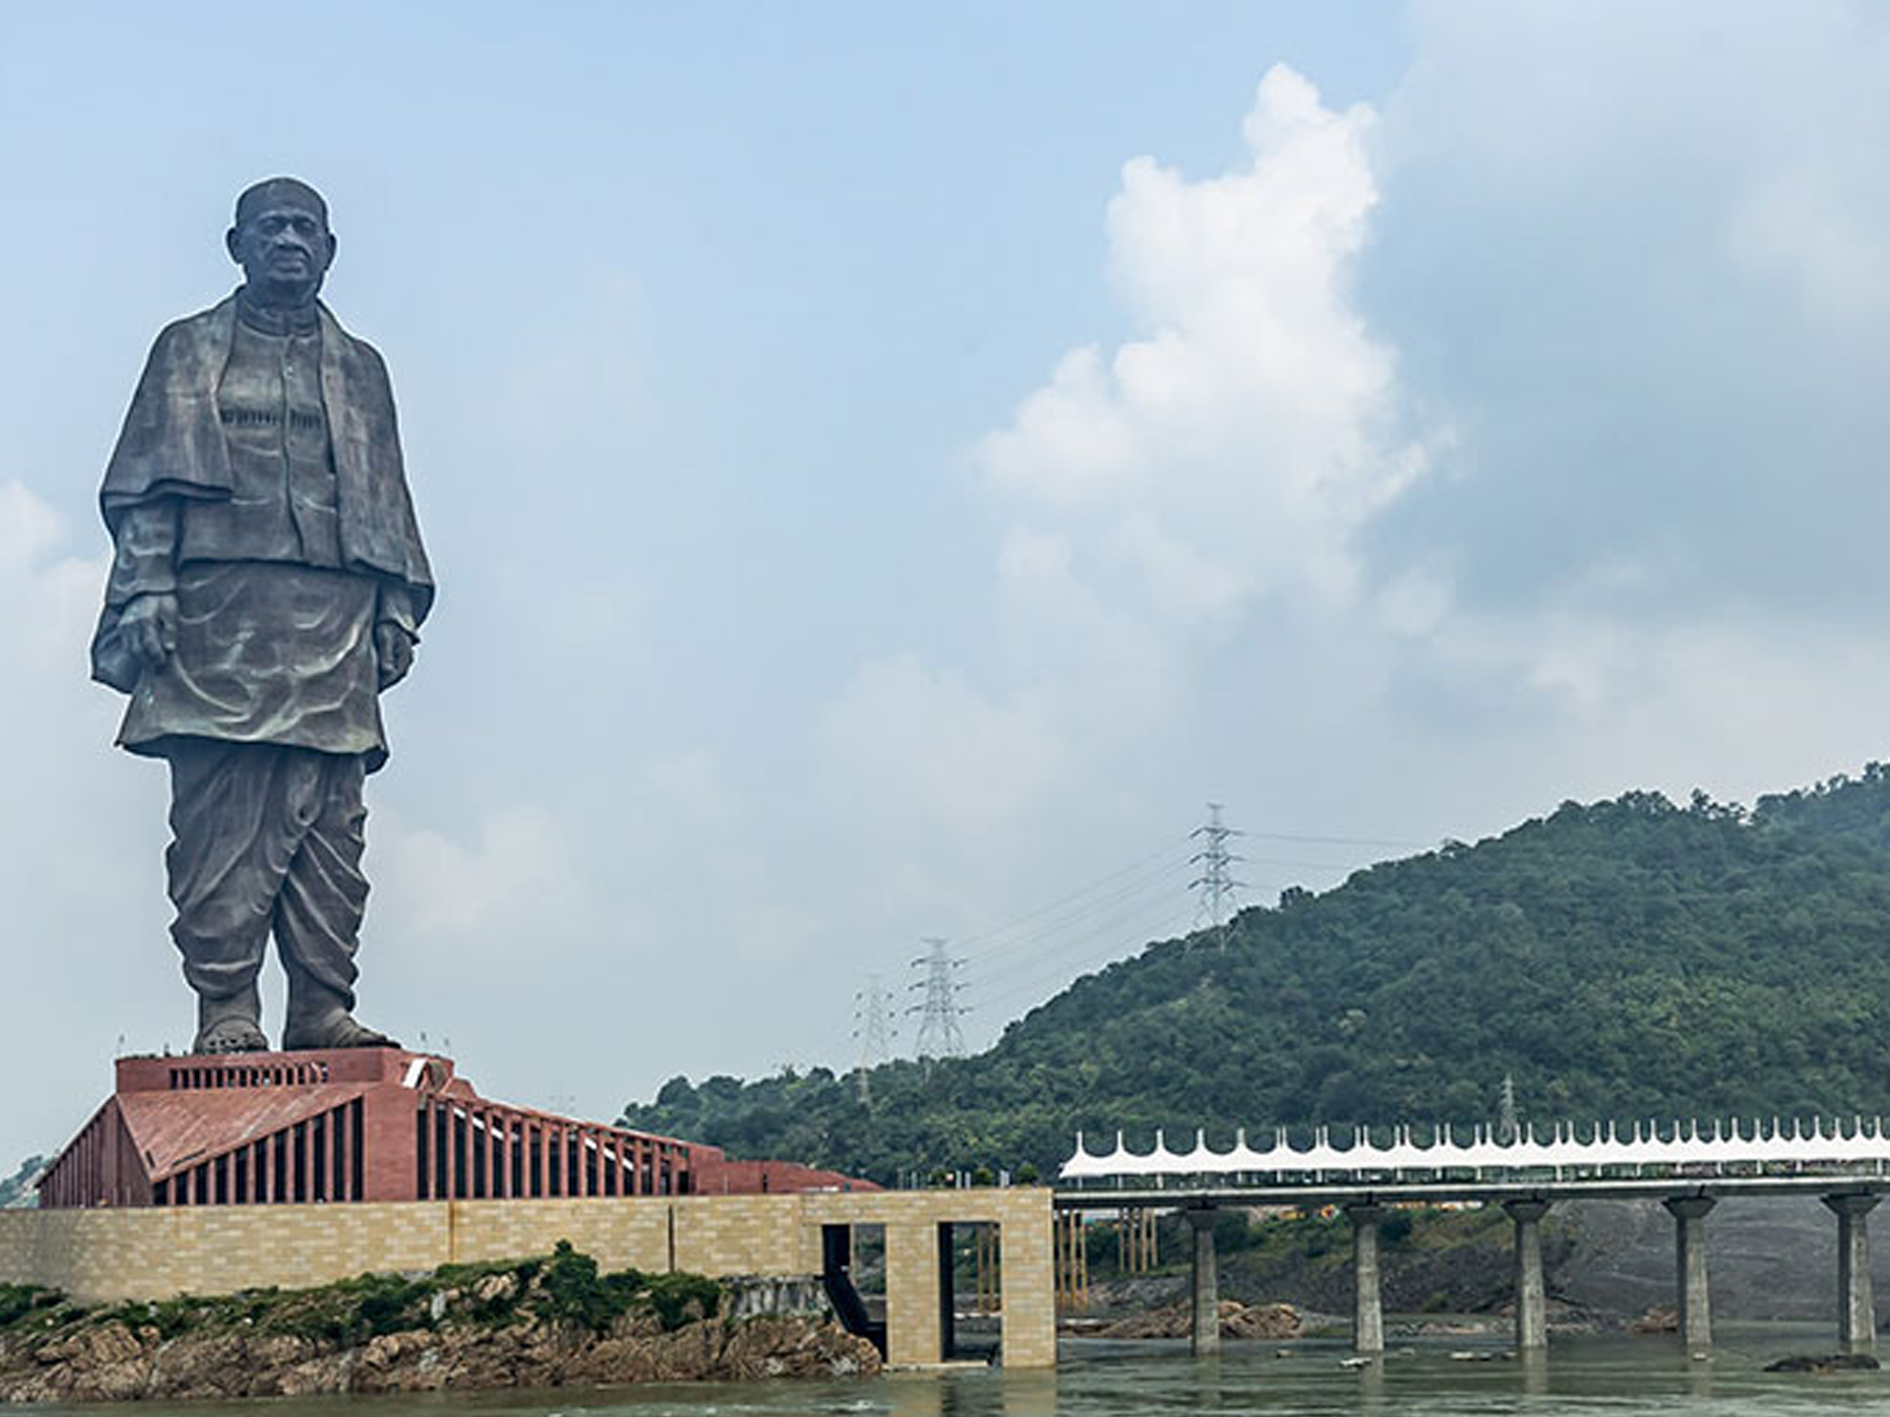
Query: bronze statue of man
(268,584)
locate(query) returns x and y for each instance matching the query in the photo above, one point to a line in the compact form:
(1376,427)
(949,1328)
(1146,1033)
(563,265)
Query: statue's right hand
(148,627)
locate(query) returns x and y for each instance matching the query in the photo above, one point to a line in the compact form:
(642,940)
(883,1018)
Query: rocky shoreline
(537,1323)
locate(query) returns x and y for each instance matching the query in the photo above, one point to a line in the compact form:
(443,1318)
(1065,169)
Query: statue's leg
(318,914)
(230,847)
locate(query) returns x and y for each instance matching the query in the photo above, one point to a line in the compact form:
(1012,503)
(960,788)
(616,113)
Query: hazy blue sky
(886,474)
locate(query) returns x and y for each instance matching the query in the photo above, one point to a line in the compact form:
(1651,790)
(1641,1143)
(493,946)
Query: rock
(495,1288)
(278,1351)
(1237,1321)
(318,1376)
(94,1347)
(1657,1320)
(751,1296)
(381,1352)
(205,1366)
(777,1348)
(690,1351)
(636,1325)
(1172,1321)
(1262,1321)
(1824,1363)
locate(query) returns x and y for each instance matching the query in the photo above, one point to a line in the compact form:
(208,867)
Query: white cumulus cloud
(1240,440)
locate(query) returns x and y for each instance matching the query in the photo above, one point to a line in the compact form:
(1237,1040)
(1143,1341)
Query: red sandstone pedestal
(365,1124)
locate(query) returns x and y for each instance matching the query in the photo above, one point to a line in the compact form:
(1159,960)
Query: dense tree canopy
(17,1190)
(1629,958)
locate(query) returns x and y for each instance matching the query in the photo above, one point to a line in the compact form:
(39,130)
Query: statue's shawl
(173,445)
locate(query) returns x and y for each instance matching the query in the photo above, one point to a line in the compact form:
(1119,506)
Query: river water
(1612,1376)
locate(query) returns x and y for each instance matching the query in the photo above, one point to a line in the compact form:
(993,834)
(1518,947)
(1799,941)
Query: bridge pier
(1532,1295)
(1857,1310)
(1689,1252)
(1204,1334)
(1368,1319)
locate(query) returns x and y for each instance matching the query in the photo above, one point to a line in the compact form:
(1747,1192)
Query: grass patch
(679,1298)
(574,1291)
(19,1300)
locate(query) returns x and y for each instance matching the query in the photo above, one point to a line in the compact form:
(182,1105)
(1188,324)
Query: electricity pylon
(874,1028)
(1216,881)
(939,1034)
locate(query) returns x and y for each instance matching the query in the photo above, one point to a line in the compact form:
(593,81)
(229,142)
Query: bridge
(1687,1166)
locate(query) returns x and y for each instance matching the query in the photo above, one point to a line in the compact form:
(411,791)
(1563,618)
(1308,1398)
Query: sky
(887,471)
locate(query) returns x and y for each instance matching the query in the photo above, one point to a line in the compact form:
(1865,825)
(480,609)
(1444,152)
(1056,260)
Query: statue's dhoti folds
(266,838)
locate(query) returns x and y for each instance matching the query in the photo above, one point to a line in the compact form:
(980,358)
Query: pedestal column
(1857,1311)
(1205,1332)
(1532,1317)
(1368,1319)
(1689,1255)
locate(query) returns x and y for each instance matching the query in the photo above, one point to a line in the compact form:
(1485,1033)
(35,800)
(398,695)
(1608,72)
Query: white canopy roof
(1815,1144)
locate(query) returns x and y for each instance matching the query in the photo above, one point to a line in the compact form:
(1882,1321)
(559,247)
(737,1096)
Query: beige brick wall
(98,1255)
(154,1253)
(744,1235)
(621,1233)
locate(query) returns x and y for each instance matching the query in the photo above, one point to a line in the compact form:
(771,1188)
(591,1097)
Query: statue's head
(281,240)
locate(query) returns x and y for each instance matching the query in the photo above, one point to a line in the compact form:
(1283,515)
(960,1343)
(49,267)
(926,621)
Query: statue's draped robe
(258,480)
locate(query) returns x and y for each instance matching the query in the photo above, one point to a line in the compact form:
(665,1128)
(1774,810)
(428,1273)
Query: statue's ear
(229,244)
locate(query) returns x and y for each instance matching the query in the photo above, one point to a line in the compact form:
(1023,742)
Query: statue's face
(284,247)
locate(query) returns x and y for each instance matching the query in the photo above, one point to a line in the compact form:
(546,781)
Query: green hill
(1628,958)
(16,1191)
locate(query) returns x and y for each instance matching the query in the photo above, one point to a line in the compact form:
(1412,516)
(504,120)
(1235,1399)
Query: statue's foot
(335,1029)
(231,1035)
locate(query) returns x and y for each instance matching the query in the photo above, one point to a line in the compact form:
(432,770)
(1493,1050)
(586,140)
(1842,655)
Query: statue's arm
(396,632)
(138,627)
(144,560)
(396,608)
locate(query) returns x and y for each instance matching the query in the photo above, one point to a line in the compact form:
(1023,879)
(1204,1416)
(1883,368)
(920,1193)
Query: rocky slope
(1769,1258)
(1608,1263)
(539,1323)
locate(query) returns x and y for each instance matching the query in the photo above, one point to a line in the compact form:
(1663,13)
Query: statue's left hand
(393,648)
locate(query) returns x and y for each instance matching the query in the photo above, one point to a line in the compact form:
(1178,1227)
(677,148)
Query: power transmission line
(1094,920)
(1156,863)
(1080,920)
(939,1034)
(1134,930)
(1342,840)
(1216,881)
(1178,855)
